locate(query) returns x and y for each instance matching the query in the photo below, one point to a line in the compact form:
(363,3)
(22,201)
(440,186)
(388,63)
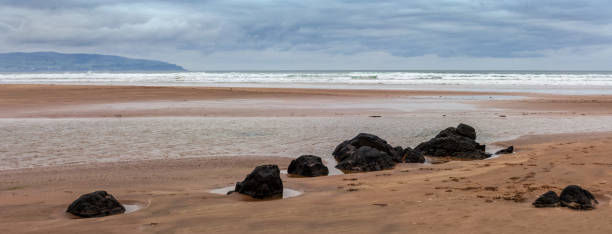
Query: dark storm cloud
(460,28)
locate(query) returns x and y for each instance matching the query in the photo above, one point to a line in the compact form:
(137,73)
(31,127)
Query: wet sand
(66,101)
(488,196)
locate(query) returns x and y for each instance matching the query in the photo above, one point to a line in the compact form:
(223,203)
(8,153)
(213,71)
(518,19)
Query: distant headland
(58,62)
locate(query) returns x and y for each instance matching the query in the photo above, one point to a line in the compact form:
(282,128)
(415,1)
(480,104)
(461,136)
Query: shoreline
(433,197)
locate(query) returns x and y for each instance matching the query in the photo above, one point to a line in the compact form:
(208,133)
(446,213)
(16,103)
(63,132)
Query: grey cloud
(464,28)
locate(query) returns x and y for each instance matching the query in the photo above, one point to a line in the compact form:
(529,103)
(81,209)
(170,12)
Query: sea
(560,82)
(43,142)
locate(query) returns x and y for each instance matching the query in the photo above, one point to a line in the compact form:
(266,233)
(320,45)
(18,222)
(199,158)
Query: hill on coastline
(58,62)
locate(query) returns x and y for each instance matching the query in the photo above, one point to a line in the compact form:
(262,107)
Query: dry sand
(488,196)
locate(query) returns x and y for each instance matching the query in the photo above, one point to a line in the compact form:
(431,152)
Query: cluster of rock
(457,142)
(264,181)
(96,204)
(572,196)
(367,152)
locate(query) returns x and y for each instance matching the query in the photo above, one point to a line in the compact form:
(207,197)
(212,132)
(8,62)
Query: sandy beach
(65,101)
(165,148)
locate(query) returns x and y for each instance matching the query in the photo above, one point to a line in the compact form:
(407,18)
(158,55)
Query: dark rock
(347,148)
(96,204)
(366,158)
(548,199)
(508,150)
(397,154)
(461,130)
(308,165)
(263,182)
(467,131)
(413,156)
(575,197)
(344,150)
(454,142)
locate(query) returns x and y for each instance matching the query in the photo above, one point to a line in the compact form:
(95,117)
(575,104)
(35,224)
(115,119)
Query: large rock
(96,204)
(349,147)
(307,165)
(575,197)
(548,199)
(263,182)
(365,159)
(454,142)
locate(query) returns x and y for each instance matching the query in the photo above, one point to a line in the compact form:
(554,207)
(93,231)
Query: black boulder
(263,182)
(365,159)
(308,165)
(548,199)
(575,197)
(96,204)
(347,148)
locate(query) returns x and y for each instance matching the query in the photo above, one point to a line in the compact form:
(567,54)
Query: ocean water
(511,81)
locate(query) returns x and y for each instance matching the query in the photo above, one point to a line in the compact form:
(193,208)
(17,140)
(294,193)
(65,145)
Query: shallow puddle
(129,208)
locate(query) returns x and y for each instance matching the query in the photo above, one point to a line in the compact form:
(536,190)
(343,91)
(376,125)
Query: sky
(321,34)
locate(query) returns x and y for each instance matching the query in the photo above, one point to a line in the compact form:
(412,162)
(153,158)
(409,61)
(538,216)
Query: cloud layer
(270,34)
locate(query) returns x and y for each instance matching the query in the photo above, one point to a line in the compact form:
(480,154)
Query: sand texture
(173,193)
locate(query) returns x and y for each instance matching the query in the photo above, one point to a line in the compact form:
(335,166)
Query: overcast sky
(321,34)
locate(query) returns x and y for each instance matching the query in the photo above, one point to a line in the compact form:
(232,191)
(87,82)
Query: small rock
(575,197)
(307,165)
(263,182)
(548,199)
(96,204)
(466,130)
(412,156)
(508,150)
